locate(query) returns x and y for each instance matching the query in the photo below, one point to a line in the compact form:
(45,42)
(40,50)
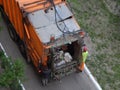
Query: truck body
(46,33)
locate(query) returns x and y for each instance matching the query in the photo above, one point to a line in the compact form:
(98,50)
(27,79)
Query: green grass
(104,29)
(118,2)
(11,73)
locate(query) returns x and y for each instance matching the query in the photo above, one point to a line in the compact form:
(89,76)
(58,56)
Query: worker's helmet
(84,49)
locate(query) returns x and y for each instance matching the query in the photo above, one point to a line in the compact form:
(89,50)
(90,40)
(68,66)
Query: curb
(2,48)
(91,77)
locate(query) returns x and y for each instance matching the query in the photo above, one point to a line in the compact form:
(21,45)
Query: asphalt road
(72,82)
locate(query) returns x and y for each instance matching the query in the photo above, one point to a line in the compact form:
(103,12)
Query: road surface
(32,82)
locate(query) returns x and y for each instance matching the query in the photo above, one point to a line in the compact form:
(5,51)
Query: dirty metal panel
(69,25)
(45,25)
(63,11)
(42,19)
(38,19)
(46,32)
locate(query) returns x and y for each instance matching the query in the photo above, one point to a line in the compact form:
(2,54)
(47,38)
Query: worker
(45,75)
(84,57)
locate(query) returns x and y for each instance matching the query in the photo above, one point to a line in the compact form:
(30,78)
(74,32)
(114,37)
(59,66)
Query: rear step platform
(65,69)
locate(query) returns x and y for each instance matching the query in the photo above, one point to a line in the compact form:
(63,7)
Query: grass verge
(104,29)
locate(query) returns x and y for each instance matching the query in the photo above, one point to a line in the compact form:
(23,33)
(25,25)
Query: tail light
(82,34)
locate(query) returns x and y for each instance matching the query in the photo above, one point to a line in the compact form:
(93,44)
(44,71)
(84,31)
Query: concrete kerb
(2,48)
(90,76)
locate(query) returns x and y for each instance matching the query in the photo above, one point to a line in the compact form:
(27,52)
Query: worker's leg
(46,81)
(43,82)
(81,67)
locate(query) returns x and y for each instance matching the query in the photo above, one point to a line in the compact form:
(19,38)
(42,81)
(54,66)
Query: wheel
(12,33)
(3,16)
(2,12)
(23,51)
(28,59)
(11,30)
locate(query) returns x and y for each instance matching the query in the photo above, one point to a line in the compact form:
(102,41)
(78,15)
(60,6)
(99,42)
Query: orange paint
(14,10)
(81,67)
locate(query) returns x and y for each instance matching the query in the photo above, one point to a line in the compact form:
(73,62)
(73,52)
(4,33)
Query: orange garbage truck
(46,33)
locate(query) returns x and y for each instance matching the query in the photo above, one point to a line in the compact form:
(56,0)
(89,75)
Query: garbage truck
(46,33)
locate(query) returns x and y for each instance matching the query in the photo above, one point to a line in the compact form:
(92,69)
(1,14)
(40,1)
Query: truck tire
(23,51)
(2,12)
(12,33)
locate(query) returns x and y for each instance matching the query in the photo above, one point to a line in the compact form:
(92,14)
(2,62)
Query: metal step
(65,69)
